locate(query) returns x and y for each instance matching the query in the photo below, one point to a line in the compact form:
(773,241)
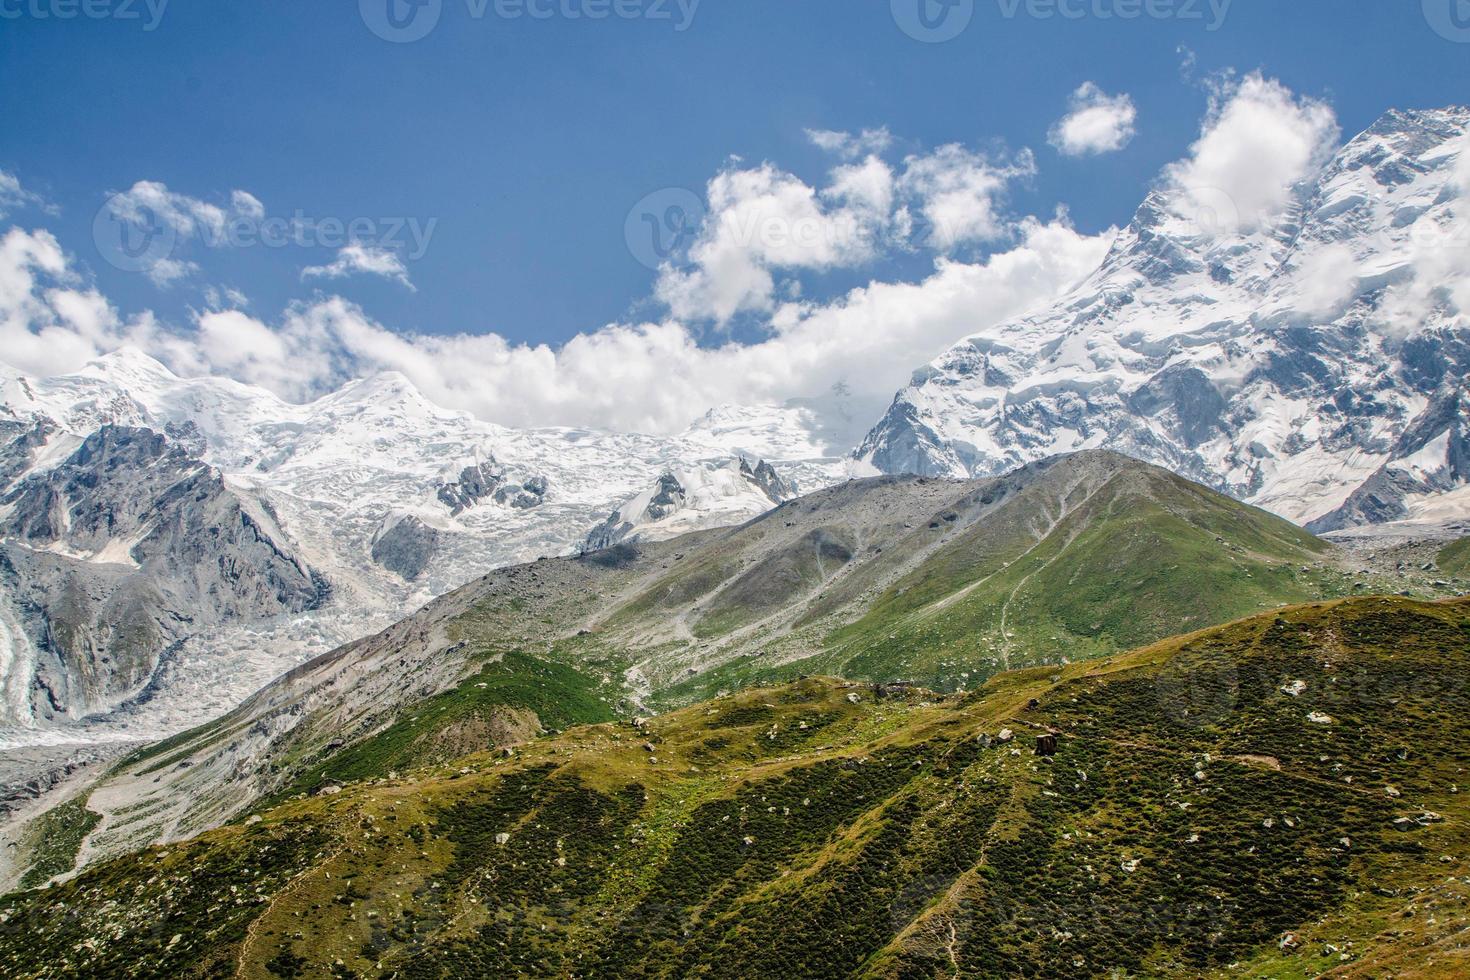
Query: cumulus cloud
(764,229)
(844,144)
(656,376)
(762,220)
(1326,280)
(187,216)
(1095,123)
(49,322)
(1259,139)
(362,259)
(956,193)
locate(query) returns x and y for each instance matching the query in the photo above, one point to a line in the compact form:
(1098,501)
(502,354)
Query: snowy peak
(1283,365)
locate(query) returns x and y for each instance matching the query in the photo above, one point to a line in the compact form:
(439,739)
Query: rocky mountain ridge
(382,498)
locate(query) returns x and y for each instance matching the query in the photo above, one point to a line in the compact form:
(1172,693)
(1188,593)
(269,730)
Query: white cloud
(48,322)
(1326,280)
(765,227)
(150,206)
(1095,123)
(656,377)
(763,220)
(164,272)
(187,216)
(868,186)
(12,195)
(956,192)
(225,297)
(650,377)
(363,259)
(848,146)
(1258,140)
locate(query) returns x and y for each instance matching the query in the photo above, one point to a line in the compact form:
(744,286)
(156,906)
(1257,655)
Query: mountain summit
(1313,366)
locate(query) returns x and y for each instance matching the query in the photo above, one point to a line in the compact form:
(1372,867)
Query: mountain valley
(1275,796)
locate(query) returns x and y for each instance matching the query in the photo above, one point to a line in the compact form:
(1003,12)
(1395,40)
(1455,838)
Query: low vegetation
(1279,796)
(55,838)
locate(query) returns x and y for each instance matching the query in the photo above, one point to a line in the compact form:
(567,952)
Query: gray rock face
(531,493)
(1194,405)
(903,442)
(406,548)
(756,480)
(668,497)
(1441,437)
(20,441)
(489,480)
(764,475)
(120,552)
(475,484)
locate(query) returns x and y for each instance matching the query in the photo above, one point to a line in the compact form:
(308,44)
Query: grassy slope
(940,582)
(1194,814)
(55,838)
(1454,559)
(1147,556)
(490,702)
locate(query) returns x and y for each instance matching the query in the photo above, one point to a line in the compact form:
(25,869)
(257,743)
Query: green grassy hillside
(1454,559)
(1145,556)
(1279,796)
(939,582)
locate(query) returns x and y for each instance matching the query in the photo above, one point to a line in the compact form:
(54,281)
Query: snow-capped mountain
(1315,367)
(374,500)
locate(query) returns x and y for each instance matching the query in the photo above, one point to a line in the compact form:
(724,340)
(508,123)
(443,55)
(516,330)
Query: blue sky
(523,143)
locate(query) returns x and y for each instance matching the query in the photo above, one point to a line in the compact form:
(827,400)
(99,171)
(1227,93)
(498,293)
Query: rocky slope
(689,498)
(1314,367)
(118,553)
(1250,800)
(378,499)
(936,581)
